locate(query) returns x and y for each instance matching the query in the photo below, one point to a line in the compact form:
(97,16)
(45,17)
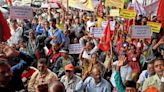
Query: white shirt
(125,72)
(16,36)
(70,85)
(90,24)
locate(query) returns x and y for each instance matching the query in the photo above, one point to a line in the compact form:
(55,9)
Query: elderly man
(70,79)
(42,76)
(10,77)
(155,80)
(94,83)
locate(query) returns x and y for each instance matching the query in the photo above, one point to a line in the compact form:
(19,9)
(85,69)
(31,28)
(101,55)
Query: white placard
(75,48)
(112,25)
(97,32)
(141,32)
(21,12)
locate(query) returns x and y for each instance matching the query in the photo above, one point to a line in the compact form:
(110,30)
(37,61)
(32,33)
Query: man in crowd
(155,80)
(10,77)
(70,80)
(94,83)
(42,76)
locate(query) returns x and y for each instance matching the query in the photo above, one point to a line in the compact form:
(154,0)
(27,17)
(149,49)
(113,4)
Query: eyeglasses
(68,71)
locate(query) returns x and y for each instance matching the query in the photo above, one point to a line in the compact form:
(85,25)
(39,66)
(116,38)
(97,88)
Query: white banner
(75,48)
(141,32)
(21,12)
(112,25)
(97,32)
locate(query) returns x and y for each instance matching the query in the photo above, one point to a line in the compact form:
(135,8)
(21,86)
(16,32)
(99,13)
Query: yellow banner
(114,12)
(155,27)
(114,3)
(81,4)
(129,14)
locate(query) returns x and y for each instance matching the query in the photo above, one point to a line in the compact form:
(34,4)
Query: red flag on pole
(101,8)
(160,12)
(4,29)
(105,41)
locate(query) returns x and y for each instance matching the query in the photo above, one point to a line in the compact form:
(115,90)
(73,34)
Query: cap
(64,51)
(69,67)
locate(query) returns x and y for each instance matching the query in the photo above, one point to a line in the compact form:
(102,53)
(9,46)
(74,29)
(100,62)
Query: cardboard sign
(141,32)
(97,32)
(114,12)
(155,27)
(75,48)
(21,12)
(114,3)
(128,14)
(81,4)
(112,25)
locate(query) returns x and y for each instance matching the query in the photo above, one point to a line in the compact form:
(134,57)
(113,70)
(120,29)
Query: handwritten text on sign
(75,49)
(97,32)
(155,27)
(129,14)
(21,12)
(141,32)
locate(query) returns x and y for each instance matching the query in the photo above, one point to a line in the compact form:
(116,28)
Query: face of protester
(64,54)
(77,20)
(56,47)
(69,73)
(42,67)
(96,73)
(159,67)
(150,68)
(130,89)
(5,75)
(76,40)
(53,24)
(88,46)
(94,58)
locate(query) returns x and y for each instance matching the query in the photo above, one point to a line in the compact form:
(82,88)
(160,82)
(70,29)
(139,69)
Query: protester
(70,80)
(42,76)
(91,39)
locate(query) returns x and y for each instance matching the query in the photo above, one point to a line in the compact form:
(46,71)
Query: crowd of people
(36,57)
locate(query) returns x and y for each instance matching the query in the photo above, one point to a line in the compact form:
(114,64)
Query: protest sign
(129,14)
(75,48)
(21,12)
(112,25)
(81,4)
(114,3)
(114,12)
(141,31)
(155,27)
(97,32)
(26,1)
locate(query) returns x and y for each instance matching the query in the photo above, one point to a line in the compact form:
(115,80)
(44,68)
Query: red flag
(105,41)
(119,45)
(9,2)
(4,29)
(160,12)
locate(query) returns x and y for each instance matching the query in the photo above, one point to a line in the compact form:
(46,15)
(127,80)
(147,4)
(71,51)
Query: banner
(21,12)
(128,14)
(54,1)
(26,1)
(141,32)
(75,48)
(112,25)
(114,12)
(114,3)
(155,27)
(81,4)
(97,32)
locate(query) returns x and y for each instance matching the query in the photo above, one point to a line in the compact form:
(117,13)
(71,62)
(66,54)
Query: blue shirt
(39,29)
(90,85)
(58,33)
(16,82)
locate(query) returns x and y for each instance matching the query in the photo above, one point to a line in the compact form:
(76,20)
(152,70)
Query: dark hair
(159,59)
(130,84)
(3,62)
(42,60)
(53,20)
